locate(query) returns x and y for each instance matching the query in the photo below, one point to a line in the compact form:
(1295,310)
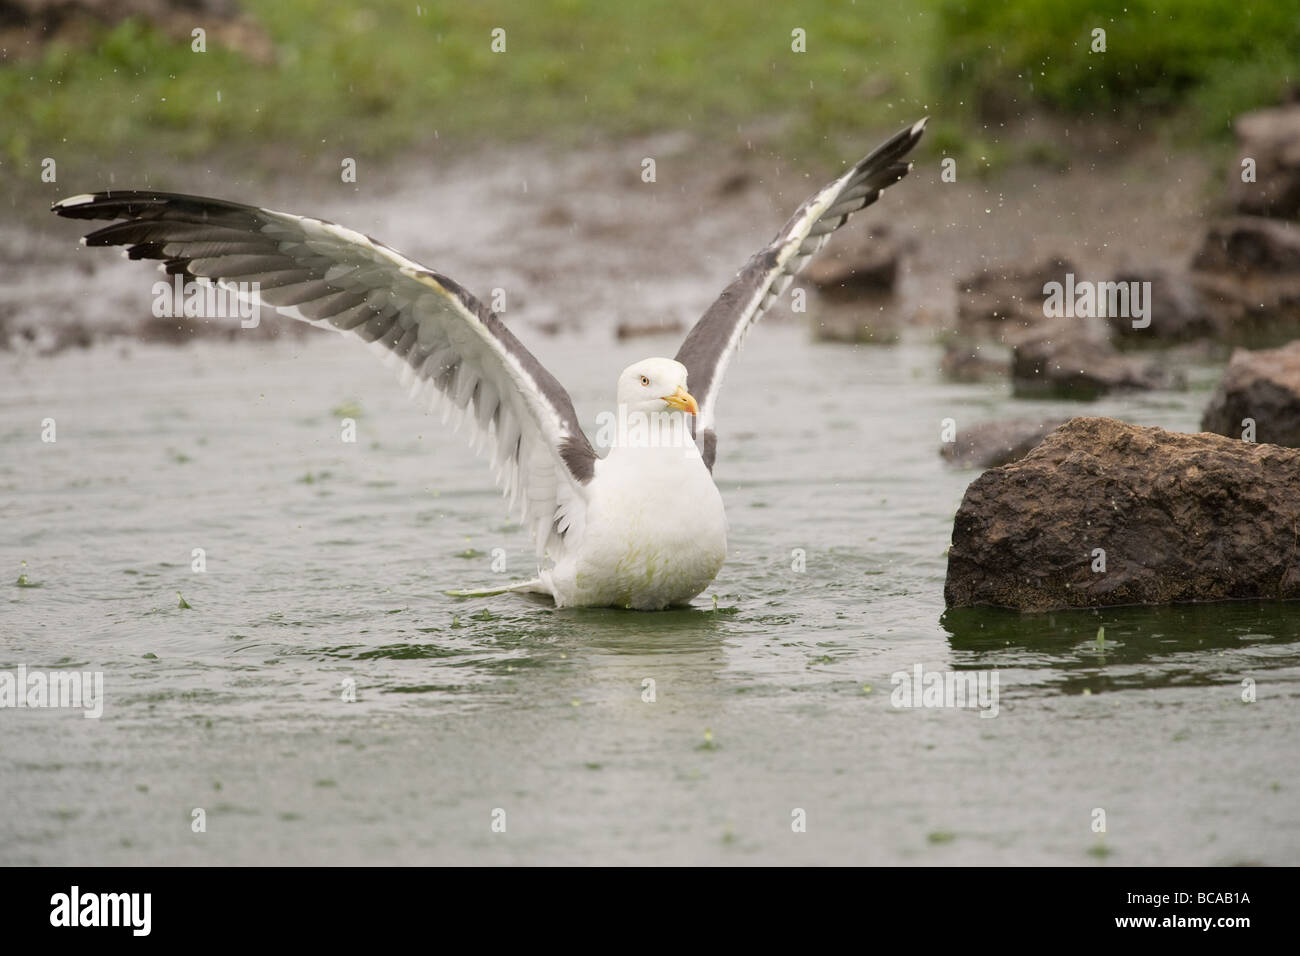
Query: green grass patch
(361,82)
(1214,58)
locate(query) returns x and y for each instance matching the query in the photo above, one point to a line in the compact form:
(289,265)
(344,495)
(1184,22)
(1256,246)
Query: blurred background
(1045,108)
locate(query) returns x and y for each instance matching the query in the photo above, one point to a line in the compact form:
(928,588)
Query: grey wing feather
(710,345)
(446,341)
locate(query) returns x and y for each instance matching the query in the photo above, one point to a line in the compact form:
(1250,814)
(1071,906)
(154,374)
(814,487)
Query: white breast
(655,533)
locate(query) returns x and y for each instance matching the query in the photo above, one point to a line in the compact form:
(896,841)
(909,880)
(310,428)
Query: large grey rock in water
(1263,387)
(1271,139)
(1163,517)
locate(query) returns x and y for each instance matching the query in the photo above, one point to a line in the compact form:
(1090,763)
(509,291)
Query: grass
(1209,59)
(360,82)
(364,81)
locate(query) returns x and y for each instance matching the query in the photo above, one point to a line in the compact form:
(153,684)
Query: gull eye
(645,381)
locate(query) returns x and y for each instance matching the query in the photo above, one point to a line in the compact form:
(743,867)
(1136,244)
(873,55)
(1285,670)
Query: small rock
(556,216)
(548,326)
(735,182)
(178,330)
(1263,386)
(1063,362)
(963,362)
(1249,245)
(1164,517)
(1006,306)
(1179,312)
(868,271)
(1255,311)
(868,322)
(996,443)
(633,330)
(1270,137)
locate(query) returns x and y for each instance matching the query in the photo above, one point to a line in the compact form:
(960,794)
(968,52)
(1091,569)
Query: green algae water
(321,700)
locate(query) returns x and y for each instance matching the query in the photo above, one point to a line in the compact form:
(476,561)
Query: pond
(756,726)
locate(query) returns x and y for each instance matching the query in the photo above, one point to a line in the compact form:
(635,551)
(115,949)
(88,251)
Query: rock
(49,338)
(179,330)
(1270,137)
(1222,299)
(963,362)
(1255,312)
(1263,386)
(1174,517)
(632,330)
(1179,312)
(996,443)
(1063,362)
(734,182)
(870,270)
(8,311)
(856,290)
(1006,306)
(1250,245)
(557,216)
(873,321)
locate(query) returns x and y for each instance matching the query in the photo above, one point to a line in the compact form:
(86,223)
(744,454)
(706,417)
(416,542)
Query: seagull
(642,527)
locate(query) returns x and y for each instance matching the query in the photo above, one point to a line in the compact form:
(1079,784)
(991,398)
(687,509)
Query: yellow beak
(684,400)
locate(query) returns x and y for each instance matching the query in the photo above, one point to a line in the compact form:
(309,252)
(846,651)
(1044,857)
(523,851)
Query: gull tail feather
(535,586)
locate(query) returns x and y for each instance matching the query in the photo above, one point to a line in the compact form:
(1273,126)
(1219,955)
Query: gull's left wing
(446,340)
(713,341)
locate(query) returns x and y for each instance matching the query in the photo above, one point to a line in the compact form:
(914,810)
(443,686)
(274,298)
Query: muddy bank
(576,240)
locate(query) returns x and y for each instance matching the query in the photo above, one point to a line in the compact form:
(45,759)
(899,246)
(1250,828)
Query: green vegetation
(360,82)
(1214,58)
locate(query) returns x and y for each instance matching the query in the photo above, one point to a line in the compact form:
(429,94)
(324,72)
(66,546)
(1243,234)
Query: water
(326,562)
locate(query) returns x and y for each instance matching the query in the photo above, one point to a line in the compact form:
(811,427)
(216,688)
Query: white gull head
(655,385)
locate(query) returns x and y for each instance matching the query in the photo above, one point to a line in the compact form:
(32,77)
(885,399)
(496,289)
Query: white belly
(655,533)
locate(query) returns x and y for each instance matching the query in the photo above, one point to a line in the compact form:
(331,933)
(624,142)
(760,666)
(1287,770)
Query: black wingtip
(914,132)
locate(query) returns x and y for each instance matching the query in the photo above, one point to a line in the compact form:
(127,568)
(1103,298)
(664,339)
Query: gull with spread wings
(642,527)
